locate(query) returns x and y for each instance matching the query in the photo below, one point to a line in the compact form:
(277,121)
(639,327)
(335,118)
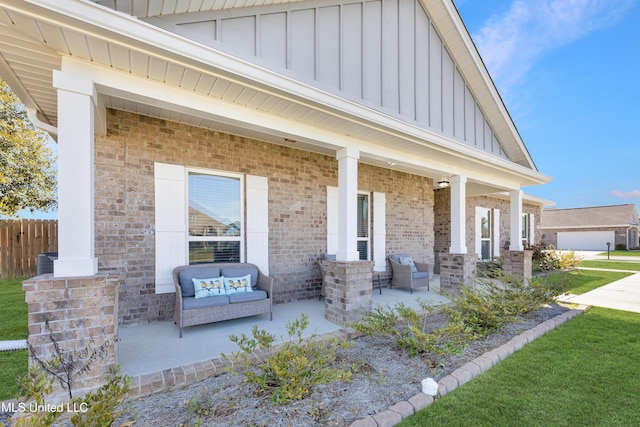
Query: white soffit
(149,8)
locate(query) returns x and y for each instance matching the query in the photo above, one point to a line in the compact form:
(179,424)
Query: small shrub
(550,259)
(35,386)
(295,367)
(491,268)
(99,408)
(410,330)
(476,312)
(492,304)
(621,247)
(96,409)
(379,321)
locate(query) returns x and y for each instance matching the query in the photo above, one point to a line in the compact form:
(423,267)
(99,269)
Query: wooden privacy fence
(20,243)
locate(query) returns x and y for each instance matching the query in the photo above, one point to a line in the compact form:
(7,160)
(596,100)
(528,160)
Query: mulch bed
(386,376)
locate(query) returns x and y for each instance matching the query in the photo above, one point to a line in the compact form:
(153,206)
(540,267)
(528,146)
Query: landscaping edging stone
(401,410)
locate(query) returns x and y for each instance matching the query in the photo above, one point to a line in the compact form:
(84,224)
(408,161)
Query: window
(363,227)
(370,224)
(214,218)
(525,230)
(200,217)
(484,224)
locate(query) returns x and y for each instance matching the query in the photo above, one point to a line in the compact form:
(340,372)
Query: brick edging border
(398,412)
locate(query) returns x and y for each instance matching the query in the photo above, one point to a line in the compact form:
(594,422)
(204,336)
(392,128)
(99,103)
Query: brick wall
(297,205)
(442,208)
(348,291)
(77,313)
(517,264)
(456,270)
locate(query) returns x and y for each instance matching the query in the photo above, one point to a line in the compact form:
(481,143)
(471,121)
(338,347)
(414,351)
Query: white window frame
(377,225)
(525,229)
(368,228)
(243,222)
(528,229)
(172,221)
(480,213)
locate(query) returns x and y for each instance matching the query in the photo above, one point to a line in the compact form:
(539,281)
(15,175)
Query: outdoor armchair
(406,273)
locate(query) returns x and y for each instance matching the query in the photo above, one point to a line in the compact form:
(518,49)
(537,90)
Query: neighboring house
(360,128)
(591,228)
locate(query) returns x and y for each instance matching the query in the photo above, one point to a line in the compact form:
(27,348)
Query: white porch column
(515,220)
(76,102)
(347,204)
(458,215)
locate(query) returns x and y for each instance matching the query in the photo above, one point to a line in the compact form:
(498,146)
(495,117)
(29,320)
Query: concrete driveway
(623,294)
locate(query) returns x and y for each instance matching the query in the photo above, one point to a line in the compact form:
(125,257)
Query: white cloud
(512,42)
(635,194)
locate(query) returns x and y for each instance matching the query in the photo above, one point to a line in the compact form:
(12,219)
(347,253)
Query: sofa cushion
(420,275)
(193,302)
(256,295)
(188,274)
(237,285)
(241,271)
(210,287)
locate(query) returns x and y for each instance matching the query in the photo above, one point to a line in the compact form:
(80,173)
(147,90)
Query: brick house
(590,228)
(263,131)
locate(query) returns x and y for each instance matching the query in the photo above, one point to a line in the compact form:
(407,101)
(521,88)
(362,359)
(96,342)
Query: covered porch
(158,359)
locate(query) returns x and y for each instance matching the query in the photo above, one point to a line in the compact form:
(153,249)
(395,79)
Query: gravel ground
(386,377)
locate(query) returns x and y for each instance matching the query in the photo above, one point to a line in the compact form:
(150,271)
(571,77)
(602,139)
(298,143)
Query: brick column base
(517,264)
(78,310)
(455,270)
(348,290)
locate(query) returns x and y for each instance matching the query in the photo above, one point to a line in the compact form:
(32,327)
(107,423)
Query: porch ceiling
(34,40)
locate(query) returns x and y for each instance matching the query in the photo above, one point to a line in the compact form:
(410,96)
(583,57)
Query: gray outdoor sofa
(191,311)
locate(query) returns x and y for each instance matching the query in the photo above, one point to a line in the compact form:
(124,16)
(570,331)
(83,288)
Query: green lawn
(13,315)
(611,265)
(13,365)
(622,253)
(13,326)
(584,373)
(581,281)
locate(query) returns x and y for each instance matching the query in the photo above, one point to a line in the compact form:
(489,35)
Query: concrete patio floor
(154,347)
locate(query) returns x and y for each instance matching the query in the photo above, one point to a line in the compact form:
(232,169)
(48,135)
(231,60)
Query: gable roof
(590,217)
(81,36)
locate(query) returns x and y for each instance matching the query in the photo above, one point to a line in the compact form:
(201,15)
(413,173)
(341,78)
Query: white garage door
(585,240)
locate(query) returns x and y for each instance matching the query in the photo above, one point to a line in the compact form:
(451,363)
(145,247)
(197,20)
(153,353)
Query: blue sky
(568,72)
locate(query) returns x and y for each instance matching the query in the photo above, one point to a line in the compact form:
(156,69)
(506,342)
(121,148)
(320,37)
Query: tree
(27,164)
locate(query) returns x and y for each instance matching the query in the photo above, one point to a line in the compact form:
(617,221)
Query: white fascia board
(528,198)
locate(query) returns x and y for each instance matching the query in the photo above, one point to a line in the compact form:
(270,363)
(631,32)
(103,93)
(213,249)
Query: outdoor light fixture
(443,183)
(391,163)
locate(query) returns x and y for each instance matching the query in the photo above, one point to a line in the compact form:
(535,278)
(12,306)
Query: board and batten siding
(384,54)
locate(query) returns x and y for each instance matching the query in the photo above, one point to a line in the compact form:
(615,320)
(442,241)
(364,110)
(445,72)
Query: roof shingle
(596,216)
